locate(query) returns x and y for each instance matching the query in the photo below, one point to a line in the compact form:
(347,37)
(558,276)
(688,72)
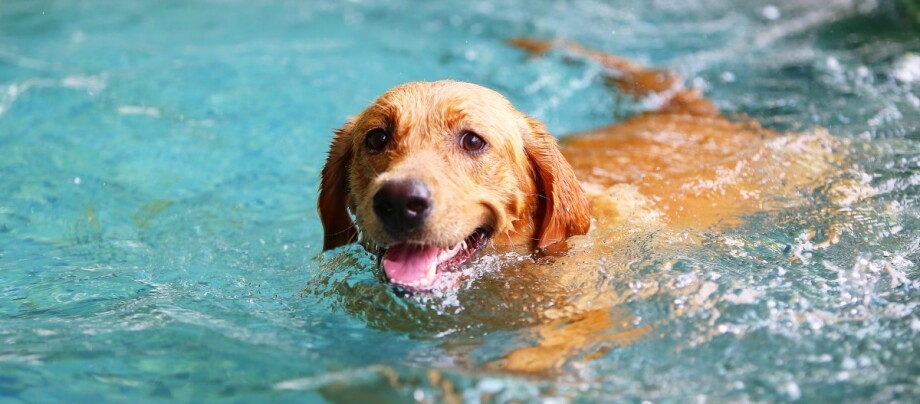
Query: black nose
(402,206)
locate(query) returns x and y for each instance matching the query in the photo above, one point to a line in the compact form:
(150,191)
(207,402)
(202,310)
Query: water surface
(159,241)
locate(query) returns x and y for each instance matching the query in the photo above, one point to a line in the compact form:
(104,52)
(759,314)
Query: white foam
(88,83)
(907,68)
(138,110)
(791,389)
(771,12)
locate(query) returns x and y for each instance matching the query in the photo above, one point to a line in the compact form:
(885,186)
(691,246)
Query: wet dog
(433,173)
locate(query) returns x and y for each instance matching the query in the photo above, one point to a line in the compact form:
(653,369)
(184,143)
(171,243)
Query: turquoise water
(159,164)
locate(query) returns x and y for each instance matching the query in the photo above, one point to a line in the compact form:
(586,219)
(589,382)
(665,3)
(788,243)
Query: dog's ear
(565,209)
(333,192)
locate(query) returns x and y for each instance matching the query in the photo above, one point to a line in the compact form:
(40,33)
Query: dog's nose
(402,206)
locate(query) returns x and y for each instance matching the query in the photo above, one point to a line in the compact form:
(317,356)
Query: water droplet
(771,12)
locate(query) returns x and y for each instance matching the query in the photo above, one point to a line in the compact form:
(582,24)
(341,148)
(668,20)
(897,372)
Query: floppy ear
(333,192)
(565,210)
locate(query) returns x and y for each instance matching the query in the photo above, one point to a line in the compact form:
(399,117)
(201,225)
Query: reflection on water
(158,236)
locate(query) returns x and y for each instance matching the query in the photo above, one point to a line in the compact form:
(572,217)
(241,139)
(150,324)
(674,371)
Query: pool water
(159,241)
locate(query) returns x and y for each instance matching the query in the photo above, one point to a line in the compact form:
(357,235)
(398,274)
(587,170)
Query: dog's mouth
(417,266)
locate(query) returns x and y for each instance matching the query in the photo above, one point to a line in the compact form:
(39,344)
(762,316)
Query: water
(159,241)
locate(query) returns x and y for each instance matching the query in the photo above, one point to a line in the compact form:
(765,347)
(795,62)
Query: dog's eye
(472,142)
(376,139)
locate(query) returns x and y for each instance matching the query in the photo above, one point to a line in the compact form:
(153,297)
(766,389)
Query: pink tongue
(406,263)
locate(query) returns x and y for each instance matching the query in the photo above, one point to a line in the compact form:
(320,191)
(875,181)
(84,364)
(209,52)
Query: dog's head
(434,172)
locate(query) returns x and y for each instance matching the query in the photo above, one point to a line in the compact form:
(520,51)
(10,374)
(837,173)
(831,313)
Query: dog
(435,172)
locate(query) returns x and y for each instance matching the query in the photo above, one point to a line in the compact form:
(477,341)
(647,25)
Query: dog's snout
(402,206)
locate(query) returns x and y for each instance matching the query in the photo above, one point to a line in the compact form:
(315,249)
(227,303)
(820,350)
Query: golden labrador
(434,172)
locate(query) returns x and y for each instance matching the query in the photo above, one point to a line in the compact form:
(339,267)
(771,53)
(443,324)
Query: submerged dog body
(434,172)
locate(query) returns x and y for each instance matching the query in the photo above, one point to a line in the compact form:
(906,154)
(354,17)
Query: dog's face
(435,172)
